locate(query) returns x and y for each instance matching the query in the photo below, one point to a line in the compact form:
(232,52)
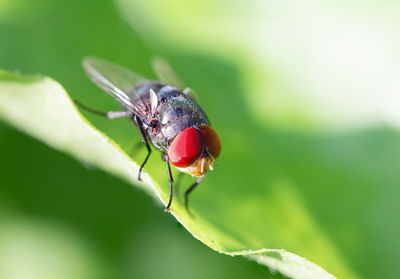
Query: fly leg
(171,182)
(191,188)
(139,124)
(109,115)
(119,114)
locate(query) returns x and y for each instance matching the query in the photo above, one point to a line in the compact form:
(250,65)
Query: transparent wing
(167,76)
(191,93)
(116,80)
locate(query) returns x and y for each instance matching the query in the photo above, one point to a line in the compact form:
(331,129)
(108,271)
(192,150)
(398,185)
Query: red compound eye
(185,148)
(211,140)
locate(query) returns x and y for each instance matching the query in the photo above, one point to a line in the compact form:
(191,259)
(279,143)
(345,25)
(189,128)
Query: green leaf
(240,222)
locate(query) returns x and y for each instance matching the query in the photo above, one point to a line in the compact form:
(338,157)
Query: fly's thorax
(176,112)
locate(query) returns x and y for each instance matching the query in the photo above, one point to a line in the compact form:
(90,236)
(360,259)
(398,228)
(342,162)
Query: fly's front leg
(171,182)
(139,124)
(109,115)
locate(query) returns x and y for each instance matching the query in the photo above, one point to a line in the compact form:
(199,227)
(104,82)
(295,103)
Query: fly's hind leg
(139,124)
(109,115)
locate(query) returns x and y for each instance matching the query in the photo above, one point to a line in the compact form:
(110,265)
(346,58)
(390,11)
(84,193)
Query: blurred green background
(314,135)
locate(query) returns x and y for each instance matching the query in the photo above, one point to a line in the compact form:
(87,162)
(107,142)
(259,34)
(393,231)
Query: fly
(165,113)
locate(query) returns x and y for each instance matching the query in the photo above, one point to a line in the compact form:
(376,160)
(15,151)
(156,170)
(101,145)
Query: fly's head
(195,149)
